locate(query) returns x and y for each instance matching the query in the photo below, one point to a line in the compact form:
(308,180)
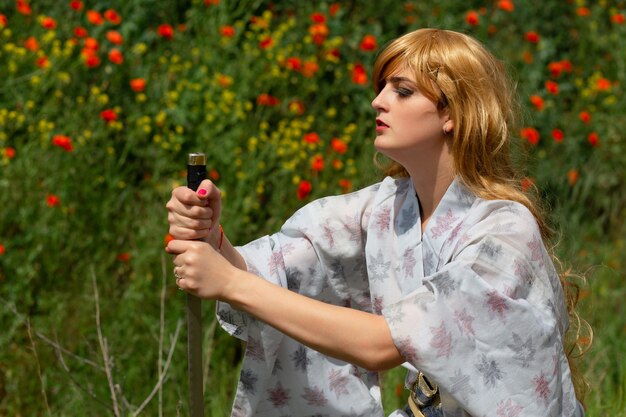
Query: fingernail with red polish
(202,191)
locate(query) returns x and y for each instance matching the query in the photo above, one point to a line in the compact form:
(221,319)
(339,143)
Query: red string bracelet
(219,247)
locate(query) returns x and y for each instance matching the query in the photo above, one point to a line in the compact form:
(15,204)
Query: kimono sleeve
(318,253)
(488,325)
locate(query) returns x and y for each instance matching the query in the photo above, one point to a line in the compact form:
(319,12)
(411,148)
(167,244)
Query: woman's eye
(403,92)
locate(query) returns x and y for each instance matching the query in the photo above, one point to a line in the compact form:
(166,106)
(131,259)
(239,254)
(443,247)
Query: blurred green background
(100,102)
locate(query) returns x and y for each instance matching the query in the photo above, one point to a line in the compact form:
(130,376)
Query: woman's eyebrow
(396,80)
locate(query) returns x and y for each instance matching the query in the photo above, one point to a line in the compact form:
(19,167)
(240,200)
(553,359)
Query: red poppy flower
(53,200)
(23,8)
(318,17)
(31,44)
(572,176)
(593,139)
(80,32)
(266,43)
(584,116)
(293,63)
(94,17)
(537,101)
(319,32)
(506,5)
(333,9)
(112,16)
(267,100)
(92,60)
(48,23)
(42,62)
(309,69)
(339,145)
(115,37)
(583,11)
(108,115)
(532,37)
(2,249)
(63,141)
(317,163)
(211,2)
(618,18)
(527,183)
(557,135)
(359,75)
(123,257)
(530,134)
(3,21)
(304,189)
(345,184)
(116,56)
(603,84)
(138,84)
(214,174)
(227,31)
(165,31)
(9,152)
(368,43)
(472,18)
(76,5)
(168,238)
(311,137)
(552,87)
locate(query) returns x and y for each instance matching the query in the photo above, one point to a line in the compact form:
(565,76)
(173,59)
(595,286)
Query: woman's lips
(380,125)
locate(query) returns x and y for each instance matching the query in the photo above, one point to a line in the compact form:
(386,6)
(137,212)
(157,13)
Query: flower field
(101,101)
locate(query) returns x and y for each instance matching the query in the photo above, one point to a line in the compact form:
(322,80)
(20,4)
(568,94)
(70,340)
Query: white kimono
(474,303)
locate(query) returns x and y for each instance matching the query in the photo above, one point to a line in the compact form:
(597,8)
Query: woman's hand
(200,269)
(195,215)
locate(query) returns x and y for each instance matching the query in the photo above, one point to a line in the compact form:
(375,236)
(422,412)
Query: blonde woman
(441,267)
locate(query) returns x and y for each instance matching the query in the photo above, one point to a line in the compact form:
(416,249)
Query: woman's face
(407,122)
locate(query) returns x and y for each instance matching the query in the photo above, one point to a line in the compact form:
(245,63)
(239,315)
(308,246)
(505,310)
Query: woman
(441,267)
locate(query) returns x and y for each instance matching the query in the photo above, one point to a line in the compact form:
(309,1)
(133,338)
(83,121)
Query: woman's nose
(379,103)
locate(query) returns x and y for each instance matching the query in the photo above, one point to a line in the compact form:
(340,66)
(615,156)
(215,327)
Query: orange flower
(63,141)
(53,200)
(537,101)
(297,107)
(572,176)
(80,32)
(532,37)
(359,75)
(214,175)
(530,134)
(593,139)
(309,69)
(339,145)
(3,20)
(304,189)
(267,100)
(76,5)
(583,11)
(506,5)
(48,23)
(557,135)
(113,17)
(224,80)
(319,32)
(94,17)
(266,43)
(31,44)
(472,18)
(23,8)
(552,87)
(227,31)
(603,84)
(115,37)
(293,63)
(527,183)
(527,57)
(165,31)
(337,164)
(116,56)
(311,137)
(317,163)
(584,116)
(618,18)
(123,257)
(108,115)
(42,62)
(368,43)
(345,184)
(137,85)
(9,152)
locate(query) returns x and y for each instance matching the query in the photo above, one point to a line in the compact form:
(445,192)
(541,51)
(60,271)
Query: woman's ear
(448,126)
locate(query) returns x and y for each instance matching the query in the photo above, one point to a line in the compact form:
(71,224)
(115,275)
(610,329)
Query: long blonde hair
(460,75)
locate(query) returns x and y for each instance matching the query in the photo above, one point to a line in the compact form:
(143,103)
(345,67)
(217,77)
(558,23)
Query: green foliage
(244,82)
